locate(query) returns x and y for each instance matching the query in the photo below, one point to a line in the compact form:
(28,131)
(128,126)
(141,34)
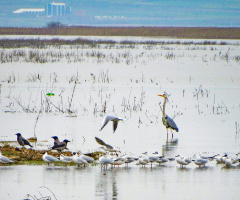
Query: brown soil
(175,32)
(31,156)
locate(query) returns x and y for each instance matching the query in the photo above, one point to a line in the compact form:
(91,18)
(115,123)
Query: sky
(188,13)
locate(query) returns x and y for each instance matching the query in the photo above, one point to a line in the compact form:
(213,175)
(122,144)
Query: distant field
(173,32)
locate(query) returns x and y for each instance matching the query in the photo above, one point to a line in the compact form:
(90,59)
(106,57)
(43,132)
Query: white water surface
(128,79)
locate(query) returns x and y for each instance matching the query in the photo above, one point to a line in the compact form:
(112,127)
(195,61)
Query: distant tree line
(55,25)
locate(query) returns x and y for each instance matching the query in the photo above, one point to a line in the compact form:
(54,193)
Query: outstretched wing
(106,119)
(115,124)
(101,142)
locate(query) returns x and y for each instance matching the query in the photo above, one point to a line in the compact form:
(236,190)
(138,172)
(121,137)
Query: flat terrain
(172,32)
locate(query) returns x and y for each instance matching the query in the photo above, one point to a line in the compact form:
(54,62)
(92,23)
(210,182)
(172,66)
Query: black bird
(22,141)
(56,140)
(60,146)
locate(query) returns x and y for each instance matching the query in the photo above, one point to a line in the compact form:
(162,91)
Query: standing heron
(166,120)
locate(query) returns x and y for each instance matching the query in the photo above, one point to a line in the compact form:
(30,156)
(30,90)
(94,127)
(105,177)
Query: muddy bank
(31,156)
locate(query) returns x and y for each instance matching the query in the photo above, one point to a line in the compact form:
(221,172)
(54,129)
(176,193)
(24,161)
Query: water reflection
(170,147)
(106,185)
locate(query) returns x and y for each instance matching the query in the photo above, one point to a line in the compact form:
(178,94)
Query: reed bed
(174,32)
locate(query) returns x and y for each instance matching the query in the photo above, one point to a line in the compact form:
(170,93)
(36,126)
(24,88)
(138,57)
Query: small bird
(220,159)
(118,161)
(48,158)
(56,140)
(153,158)
(4,159)
(162,160)
(60,146)
(143,160)
(78,160)
(231,161)
(87,158)
(101,142)
(183,161)
(129,159)
(65,159)
(22,141)
(200,162)
(166,120)
(105,147)
(108,118)
(105,161)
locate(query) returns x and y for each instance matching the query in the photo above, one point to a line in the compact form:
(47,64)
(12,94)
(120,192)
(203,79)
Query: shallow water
(167,181)
(208,124)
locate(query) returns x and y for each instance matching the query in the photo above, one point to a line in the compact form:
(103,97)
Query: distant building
(30,11)
(57,9)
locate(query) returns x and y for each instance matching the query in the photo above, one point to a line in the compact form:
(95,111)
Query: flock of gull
(110,156)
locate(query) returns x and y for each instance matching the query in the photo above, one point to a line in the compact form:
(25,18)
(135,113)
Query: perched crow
(60,146)
(22,141)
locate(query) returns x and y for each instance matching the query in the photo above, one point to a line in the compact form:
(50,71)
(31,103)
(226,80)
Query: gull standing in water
(105,161)
(201,160)
(108,118)
(65,159)
(86,158)
(231,161)
(166,120)
(4,159)
(48,158)
(162,160)
(183,161)
(78,160)
(153,158)
(220,159)
(143,160)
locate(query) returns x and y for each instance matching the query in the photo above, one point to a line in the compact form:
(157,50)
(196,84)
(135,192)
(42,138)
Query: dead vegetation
(175,32)
(23,156)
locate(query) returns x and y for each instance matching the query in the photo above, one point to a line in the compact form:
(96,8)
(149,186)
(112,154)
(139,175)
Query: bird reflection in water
(169,147)
(106,185)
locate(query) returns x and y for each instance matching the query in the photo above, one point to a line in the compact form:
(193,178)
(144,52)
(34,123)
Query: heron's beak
(160,95)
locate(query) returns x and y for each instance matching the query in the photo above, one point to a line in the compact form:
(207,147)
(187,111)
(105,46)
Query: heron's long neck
(164,105)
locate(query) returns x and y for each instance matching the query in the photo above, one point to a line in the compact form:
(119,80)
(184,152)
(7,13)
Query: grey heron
(166,120)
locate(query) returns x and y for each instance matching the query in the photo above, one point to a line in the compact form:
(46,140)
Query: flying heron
(166,120)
